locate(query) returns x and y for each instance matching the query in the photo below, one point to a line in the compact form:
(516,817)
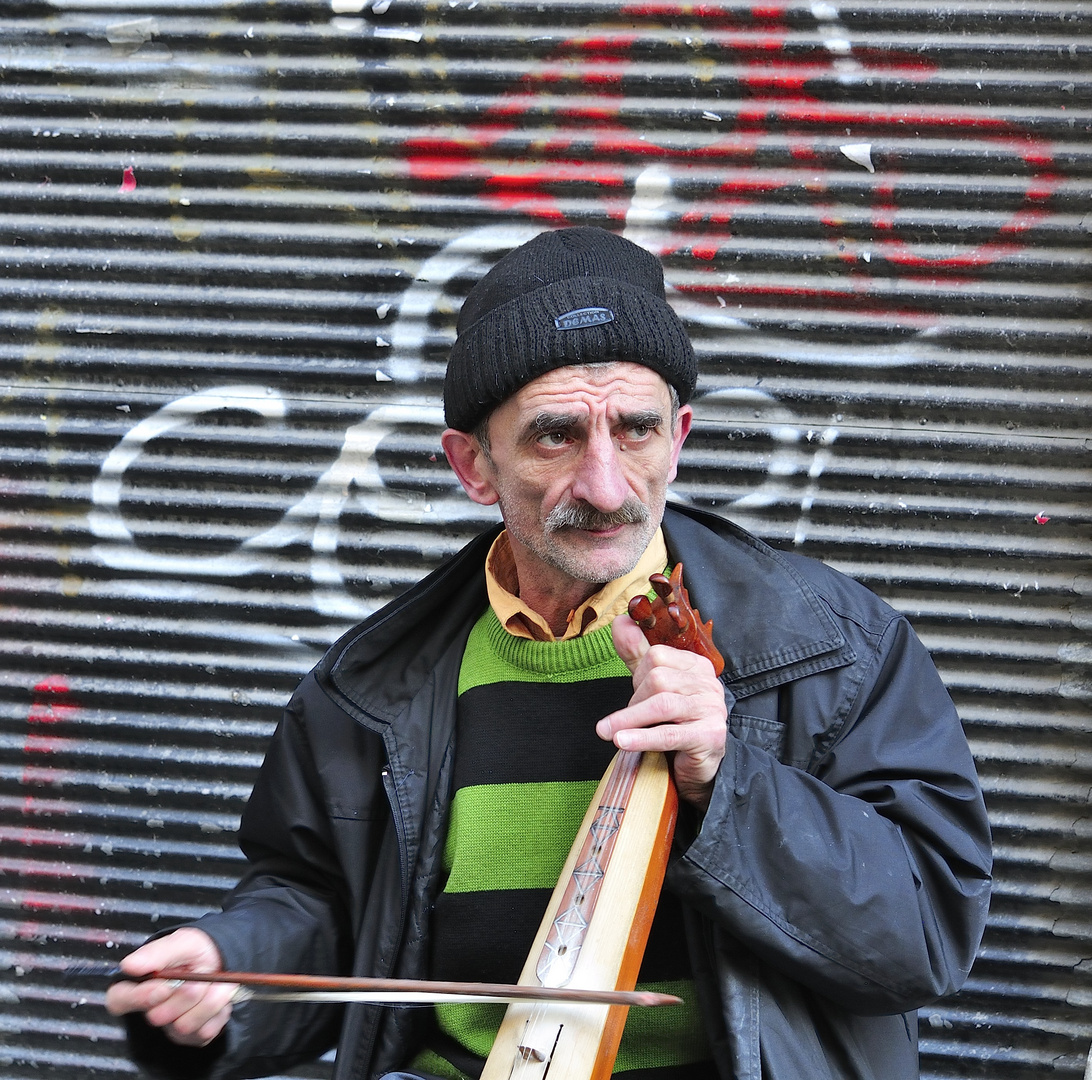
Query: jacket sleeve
(288,913)
(865,876)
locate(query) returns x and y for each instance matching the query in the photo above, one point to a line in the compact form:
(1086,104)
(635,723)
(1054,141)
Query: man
(831,866)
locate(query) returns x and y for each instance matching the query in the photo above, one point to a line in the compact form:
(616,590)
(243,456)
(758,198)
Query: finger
(696,746)
(168,998)
(698,742)
(127,997)
(199,1026)
(667,698)
(651,711)
(641,729)
(187,949)
(695,749)
(693,682)
(191,1006)
(629,641)
(668,658)
(154,956)
(664,670)
(208,1031)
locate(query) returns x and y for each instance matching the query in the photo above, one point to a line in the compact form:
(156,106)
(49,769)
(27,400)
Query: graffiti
(784,128)
(355,481)
(105,517)
(426,294)
(314,517)
(787,138)
(51,704)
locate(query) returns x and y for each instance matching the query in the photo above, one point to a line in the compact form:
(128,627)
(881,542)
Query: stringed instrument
(615,870)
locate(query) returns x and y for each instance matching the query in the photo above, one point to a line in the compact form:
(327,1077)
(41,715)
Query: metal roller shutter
(233,236)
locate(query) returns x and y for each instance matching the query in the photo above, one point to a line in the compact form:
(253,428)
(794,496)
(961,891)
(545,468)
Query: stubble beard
(582,560)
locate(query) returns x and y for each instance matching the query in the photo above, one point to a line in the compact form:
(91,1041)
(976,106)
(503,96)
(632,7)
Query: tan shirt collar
(517,618)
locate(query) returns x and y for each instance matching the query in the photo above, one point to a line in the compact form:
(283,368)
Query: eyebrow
(545,423)
(647,418)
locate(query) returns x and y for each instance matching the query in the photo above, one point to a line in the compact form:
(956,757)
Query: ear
(678,437)
(470,465)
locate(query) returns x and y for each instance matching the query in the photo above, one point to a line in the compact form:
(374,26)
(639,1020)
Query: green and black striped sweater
(526,766)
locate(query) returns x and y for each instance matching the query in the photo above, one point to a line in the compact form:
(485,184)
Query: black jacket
(839,880)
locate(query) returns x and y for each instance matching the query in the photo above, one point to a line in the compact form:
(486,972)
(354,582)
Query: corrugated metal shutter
(233,236)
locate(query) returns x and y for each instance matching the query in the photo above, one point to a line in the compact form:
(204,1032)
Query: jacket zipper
(403,850)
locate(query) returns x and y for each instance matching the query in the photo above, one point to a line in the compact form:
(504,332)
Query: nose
(599,480)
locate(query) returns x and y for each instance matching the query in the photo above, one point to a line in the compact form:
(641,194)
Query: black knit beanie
(572,296)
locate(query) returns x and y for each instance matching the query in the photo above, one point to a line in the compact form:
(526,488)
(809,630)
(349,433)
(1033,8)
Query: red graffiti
(33,930)
(39,776)
(44,838)
(50,705)
(52,902)
(777,133)
(42,744)
(46,708)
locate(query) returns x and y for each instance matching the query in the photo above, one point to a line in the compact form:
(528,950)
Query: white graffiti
(354,477)
(427,293)
(105,518)
(314,520)
(819,462)
(355,483)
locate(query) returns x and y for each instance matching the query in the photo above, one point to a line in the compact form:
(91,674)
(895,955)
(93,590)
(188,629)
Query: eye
(638,432)
(553,438)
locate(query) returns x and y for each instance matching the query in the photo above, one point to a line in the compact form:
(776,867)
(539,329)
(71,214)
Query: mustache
(583,516)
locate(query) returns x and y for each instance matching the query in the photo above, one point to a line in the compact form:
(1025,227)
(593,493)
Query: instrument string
(613,804)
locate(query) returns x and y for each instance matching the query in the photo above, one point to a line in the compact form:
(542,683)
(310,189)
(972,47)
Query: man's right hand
(190,1013)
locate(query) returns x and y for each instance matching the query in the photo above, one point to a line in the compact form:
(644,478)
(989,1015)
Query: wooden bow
(274,986)
(616,866)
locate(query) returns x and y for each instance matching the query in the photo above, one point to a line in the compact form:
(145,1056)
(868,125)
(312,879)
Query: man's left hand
(678,707)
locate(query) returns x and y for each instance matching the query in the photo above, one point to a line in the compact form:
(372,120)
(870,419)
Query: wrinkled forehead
(618,385)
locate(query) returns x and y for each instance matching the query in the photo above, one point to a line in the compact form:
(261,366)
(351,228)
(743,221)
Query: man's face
(579,461)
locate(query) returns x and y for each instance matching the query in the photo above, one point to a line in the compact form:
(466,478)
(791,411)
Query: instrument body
(581,1041)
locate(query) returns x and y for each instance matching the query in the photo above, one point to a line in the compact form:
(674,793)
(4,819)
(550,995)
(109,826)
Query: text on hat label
(585,316)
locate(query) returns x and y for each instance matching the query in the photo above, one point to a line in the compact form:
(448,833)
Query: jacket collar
(786,630)
(384,661)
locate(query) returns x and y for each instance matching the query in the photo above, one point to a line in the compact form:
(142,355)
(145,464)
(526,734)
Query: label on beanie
(585,316)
